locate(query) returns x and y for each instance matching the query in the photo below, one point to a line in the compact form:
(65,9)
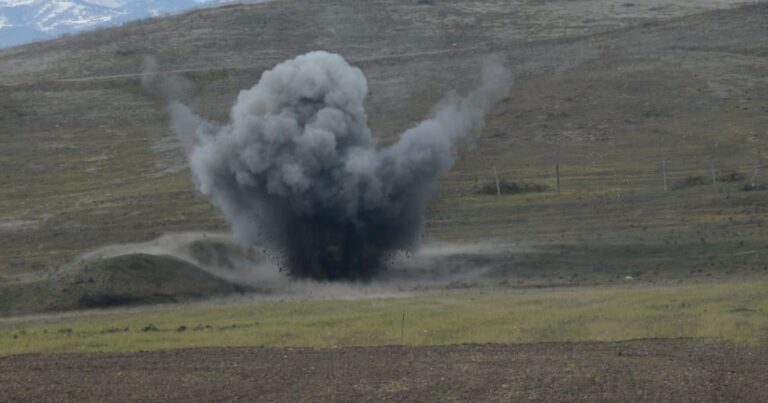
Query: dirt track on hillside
(647,370)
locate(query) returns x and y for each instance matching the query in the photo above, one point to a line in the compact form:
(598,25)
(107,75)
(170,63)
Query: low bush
(689,182)
(731,177)
(511,187)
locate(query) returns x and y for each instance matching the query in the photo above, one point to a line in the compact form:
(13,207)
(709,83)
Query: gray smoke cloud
(168,87)
(295,168)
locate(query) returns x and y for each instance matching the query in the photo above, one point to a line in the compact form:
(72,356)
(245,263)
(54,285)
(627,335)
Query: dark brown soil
(644,370)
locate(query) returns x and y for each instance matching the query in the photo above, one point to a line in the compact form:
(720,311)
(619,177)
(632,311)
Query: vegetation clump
(112,330)
(731,177)
(689,182)
(510,187)
(749,187)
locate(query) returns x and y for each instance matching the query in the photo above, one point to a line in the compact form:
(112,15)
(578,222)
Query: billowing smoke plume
(295,168)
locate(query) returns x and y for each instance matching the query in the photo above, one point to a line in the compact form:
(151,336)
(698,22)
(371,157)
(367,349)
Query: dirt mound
(221,254)
(141,279)
(133,279)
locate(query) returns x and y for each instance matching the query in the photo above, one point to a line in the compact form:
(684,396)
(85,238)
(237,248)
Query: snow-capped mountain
(23,21)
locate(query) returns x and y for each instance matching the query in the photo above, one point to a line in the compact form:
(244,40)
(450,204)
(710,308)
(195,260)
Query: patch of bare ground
(642,370)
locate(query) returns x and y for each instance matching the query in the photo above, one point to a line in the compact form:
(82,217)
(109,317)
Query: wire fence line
(667,173)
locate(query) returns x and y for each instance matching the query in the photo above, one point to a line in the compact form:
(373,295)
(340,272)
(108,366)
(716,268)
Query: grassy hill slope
(87,159)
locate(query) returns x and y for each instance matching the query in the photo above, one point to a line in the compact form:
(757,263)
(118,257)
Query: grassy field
(734,311)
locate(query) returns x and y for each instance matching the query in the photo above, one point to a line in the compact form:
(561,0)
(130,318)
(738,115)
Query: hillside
(609,90)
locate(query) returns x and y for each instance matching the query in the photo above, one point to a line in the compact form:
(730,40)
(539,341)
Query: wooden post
(712,165)
(498,186)
(557,174)
(758,165)
(664,172)
(402,330)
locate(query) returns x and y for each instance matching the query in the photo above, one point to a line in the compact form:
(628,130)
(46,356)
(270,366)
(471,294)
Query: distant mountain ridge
(23,21)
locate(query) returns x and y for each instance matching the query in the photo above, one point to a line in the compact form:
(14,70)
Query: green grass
(735,311)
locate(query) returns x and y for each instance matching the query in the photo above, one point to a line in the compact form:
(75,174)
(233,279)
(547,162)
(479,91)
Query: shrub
(731,177)
(690,181)
(748,187)
(511,187)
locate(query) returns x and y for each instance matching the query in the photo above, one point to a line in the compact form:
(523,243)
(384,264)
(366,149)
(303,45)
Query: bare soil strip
(642,370)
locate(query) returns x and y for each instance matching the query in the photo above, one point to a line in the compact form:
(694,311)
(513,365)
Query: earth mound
(140,279)
(133,279)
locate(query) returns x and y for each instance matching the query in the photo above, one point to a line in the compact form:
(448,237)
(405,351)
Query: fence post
(664,172)
(402,330)
(498,187)
(758,165)
(714,180)
(557,174)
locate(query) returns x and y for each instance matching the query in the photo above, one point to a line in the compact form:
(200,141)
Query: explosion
(295,168)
